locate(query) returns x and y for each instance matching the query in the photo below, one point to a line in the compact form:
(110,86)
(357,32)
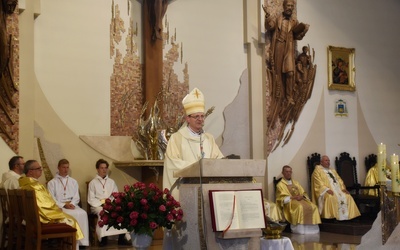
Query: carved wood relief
(126,81)
(9,70)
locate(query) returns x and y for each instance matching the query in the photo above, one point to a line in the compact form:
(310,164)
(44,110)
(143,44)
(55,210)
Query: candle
(394,161)
(381,163)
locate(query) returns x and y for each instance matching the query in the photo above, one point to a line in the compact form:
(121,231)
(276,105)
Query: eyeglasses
(197,117)
(37,169)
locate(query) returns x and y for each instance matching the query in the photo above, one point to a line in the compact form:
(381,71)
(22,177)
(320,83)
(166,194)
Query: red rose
(133,222)
(153,225)
(134,215)
(170,217)
(120,219)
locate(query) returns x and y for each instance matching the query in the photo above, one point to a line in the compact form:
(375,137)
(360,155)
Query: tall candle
(394,161)
(381,163)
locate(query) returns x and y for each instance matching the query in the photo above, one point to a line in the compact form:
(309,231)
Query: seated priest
(330,194)
(297,207)
(49,212)
(372,179)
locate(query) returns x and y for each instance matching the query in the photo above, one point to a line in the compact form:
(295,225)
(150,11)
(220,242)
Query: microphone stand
(201,188)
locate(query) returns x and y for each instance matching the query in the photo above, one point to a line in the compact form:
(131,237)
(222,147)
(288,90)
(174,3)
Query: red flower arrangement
(141,209)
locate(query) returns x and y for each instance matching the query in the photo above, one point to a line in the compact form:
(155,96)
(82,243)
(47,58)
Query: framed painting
(341,69)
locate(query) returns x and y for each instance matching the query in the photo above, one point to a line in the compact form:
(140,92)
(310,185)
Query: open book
(240,209)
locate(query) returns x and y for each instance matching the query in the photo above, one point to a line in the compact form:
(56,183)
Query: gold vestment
(296,212)
(339,205)
(49,212)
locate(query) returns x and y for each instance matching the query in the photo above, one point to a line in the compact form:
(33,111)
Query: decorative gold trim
(341,77)
(47,172)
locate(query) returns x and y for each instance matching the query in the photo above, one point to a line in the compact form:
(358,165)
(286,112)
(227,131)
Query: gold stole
(307,209)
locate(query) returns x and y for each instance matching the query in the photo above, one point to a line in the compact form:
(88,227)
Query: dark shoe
(103,242)
(124,242)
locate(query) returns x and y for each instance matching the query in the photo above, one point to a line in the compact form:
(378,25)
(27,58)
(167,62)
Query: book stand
(215,174)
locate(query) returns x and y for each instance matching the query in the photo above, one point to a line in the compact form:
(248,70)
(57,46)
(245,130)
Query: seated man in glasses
(48,209)
(190,143)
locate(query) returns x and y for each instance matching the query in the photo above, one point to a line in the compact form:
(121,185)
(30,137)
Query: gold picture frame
(341,69)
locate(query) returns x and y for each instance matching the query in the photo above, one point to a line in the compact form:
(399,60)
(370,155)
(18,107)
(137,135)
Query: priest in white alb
(65,191)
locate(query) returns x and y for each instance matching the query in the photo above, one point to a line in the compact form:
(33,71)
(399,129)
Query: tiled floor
(309,242)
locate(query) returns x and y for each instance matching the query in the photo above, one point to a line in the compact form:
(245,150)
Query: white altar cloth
(276,244)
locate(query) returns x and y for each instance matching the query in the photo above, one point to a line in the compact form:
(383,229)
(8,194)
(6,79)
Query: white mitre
(194,102)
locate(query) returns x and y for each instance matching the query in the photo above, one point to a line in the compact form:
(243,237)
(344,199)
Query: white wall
(73,67)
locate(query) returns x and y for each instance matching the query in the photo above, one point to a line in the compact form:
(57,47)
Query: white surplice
(99,190)
(66,190)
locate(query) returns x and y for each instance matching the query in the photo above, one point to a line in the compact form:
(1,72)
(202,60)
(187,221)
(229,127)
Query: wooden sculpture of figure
(290,79)
(286,28)
(159,9)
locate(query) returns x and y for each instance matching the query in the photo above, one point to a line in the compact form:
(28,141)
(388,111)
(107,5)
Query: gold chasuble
(296,212)
(340,205)
(372,179)
(48,210)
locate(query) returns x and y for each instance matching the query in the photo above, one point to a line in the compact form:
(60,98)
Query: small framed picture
(341,69)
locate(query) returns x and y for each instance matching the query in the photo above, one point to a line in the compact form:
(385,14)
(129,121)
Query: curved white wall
(72,64)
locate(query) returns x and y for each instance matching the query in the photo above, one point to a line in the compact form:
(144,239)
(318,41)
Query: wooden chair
(37,231)
(346,167)
(370,161)
(276,181)
(93,219)
(312,161)
(17,228)
(5,224)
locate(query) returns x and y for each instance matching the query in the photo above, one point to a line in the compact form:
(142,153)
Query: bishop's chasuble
(296,212)
(339,205)
(49,212)
(184,148)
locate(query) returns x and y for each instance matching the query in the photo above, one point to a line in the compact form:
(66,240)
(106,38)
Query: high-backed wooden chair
(37,231)
(313,160)
(347,169)
(17,232)
(370,161)
(276,181)
(5,223)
